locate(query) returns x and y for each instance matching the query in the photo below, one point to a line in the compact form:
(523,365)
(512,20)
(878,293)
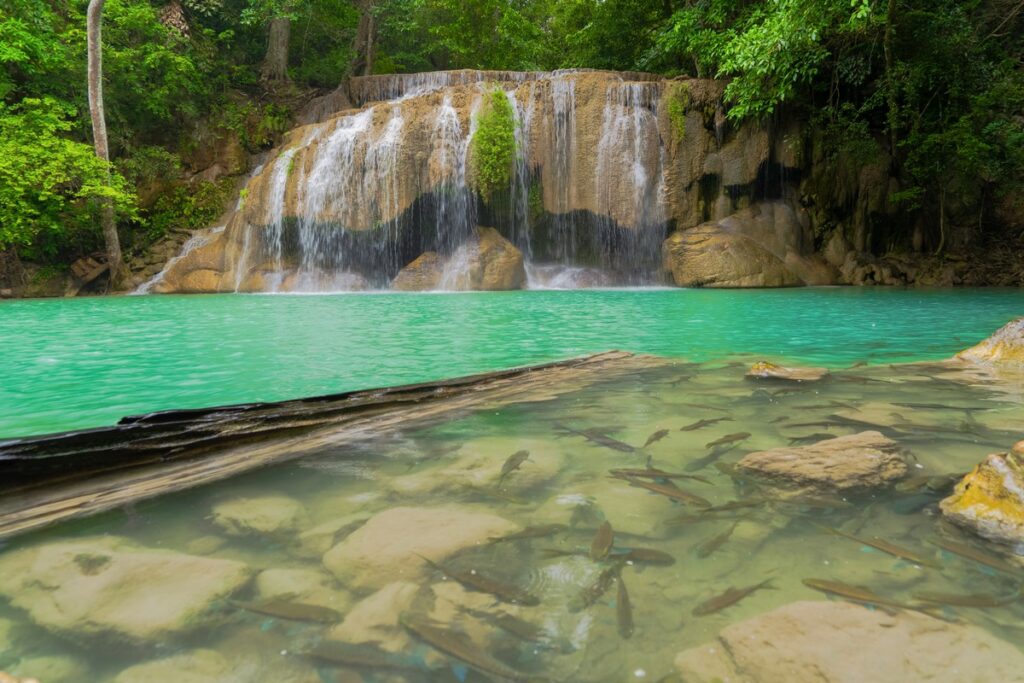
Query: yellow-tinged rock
(1006,345)
(990,499)
(765,370)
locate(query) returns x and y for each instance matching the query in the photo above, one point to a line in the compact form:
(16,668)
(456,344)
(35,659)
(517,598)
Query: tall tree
(366,38)
(94,37)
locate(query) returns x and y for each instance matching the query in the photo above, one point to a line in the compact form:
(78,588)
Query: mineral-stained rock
(486,262)
(765,370)
(761,246)
(259,515)
(388,547)
(107,586)
(990,499)
(838,642)
(863,460)
(1006,345)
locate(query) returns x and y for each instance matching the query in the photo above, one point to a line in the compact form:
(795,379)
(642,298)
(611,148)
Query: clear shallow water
(87,362)
(310,554)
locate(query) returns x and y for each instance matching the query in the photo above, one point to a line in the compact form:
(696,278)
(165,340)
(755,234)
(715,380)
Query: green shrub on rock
(494,144)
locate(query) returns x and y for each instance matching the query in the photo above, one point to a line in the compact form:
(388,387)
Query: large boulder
(990,499)
(1006,345)
(277,516)
(863,460)
(391,545)
(485,262)
(760,246)
(108,586)
(838,642)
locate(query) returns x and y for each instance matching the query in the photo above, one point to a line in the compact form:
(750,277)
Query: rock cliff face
(608,166)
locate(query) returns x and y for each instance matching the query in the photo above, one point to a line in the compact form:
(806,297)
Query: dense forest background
(936,86)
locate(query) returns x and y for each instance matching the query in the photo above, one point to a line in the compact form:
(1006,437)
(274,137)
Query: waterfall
(455,208)
(523,172)
(563,106)
(200,239)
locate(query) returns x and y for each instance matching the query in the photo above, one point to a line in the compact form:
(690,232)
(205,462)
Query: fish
(654,473)
(974,600)
(781,418)
(710,458)
(655,437)
(860,595)
(647,556)
(292,611)
(706,548)
(458,646)
(979,556)
(624,610)
(700,424)
(540,531)
(513,625)
(598,437)
(728,439)
(736,505)
(514,462)
(887,547)
(810,439)
(362,655)
(602,543)
(473,580)
(670,490)
(937,406)
(592,593)
(727,599)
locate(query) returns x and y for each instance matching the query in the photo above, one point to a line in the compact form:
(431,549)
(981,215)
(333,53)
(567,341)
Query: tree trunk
(890,79)
(94,20)
(366,37)
(275,65)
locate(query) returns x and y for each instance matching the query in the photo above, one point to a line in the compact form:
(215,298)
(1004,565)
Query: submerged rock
(388,547)
(107,586)
(375,619)
(486,262)
(194,666)
(990,499)
(51,669)
(308,586)
(1006,345)
(838,642)
(863,460)
(765,370)
(761,246)
(260,515)
(8,678)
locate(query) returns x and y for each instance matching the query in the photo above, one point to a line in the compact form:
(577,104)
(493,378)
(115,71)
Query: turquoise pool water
(87,362)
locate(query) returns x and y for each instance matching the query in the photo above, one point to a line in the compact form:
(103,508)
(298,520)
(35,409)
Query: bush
(494,144)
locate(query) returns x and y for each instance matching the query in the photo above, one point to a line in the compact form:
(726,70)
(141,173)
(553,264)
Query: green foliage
(47,181)
(678,103)
(188,207)
(494,144)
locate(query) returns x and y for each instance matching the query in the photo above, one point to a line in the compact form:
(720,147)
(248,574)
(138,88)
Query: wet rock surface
(1005,346)
(107,586)
(837,642)
(390,545)
(857,461)
(487,262)
(990,499)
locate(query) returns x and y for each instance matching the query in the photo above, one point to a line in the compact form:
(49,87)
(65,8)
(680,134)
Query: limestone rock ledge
(488,262)
(990,499)
(761,246)
(837,642)
(1005,346)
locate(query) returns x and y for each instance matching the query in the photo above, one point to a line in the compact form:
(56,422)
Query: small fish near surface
(709,459)
(973,600)
(736,437)
(474,580)
(654,473)
(624,610)
(810,439)
(976,555)
(671,491)
(655,437)
(599,437)
(860,595)
(706,548)
(727,599)
(511,624)
(602,543)
(592,593)
(513,463)
(458,646)
(887,547)
(530,532)
(359,656)
(292,611)
(736,505)
(701,424)
(647,556)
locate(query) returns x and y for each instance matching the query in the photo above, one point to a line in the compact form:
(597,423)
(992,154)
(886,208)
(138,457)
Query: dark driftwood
(50,478)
